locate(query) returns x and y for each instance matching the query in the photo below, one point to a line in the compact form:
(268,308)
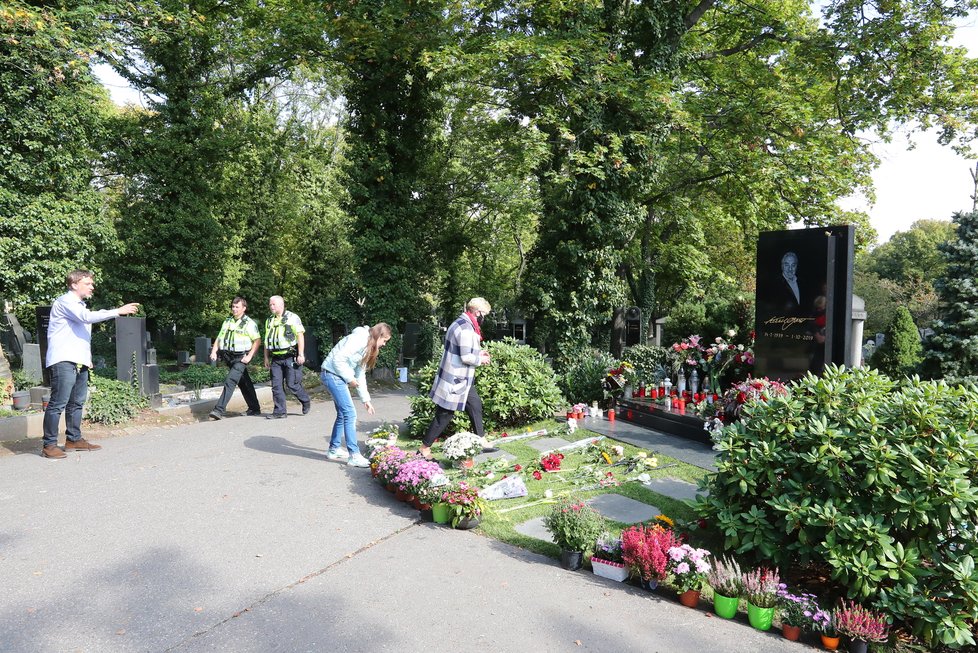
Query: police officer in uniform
(237,343)
(285,344)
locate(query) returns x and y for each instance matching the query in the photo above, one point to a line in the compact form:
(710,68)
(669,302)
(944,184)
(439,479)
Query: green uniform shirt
(238,335)
(282,333)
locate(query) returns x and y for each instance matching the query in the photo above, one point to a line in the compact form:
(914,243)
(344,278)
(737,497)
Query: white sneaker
(358,461)
(334,454)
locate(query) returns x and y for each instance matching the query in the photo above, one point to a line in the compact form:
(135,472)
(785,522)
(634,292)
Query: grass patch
(579,476)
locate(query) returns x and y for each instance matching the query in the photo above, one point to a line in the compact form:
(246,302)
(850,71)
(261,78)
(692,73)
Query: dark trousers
(69,388)
(443,417)
(285,375)
(237,377)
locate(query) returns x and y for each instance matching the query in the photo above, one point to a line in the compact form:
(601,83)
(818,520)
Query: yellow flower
(664,520)
(606,457)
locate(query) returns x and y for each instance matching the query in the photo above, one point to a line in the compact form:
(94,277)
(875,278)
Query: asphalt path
(240,536)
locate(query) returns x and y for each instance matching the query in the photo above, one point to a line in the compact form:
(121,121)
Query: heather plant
(726,578)
(857,622)
(645,549)
(761,587)
(869,478)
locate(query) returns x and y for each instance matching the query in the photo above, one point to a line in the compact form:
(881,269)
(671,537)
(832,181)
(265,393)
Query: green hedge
(517,388)
(583,373)
(874,480)
(111,401)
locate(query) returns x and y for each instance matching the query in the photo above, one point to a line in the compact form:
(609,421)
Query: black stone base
(650,413)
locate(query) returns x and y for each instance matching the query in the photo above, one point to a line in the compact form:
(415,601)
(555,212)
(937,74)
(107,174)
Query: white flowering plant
(688,567)
(462,445)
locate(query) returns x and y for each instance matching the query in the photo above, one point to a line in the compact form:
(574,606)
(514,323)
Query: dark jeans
(69,389)
(284,374)
(237,377)
(443,417)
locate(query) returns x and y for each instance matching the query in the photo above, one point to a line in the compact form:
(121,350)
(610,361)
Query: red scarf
(475,324)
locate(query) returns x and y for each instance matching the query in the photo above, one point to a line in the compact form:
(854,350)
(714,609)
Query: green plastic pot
(725,606)
(760,618)
(440,513)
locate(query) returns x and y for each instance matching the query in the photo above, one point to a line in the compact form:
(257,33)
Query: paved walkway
(239,536)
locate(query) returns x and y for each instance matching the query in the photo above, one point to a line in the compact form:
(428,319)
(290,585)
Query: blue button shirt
(70,330)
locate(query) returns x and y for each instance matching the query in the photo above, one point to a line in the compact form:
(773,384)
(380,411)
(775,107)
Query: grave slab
(33,366)
(674,488)
(548,444)
(483,457)
(535,529)
(623,509)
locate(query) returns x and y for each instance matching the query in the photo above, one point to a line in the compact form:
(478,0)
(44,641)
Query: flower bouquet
(465,506)
(645,549)
(462,446)
(860,624)
(607,560)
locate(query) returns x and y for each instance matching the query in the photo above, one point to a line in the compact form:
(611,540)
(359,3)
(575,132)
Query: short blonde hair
(478,304)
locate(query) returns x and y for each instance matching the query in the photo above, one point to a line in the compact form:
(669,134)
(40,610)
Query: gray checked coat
(456,372)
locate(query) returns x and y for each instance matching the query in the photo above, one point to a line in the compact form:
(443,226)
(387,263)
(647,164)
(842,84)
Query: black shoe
(490,449)
(276,416)
(215,415)
(306,407)
(253,413)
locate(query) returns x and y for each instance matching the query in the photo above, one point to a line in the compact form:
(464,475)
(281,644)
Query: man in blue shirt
(69,359)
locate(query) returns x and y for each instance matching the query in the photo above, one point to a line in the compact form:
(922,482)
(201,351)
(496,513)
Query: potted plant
(607,560)
(688,567)
(464,505)
(761,590)
(414,474)
(824,624)
(574,526)
(388,461)
(461,447)
(645,550)
(795,611)
(726,579)
(860,625)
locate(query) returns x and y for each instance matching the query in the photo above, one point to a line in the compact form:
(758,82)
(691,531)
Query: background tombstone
(409,343)
(311,352)
(633,326)
(183,358)
(202,350)
(12,335)
(42,314)
(130,349)
(32,364)
(804,304)
(617,332)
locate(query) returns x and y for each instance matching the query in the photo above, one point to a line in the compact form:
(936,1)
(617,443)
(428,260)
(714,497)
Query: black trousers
(443,417)
(237,377)
(285,375)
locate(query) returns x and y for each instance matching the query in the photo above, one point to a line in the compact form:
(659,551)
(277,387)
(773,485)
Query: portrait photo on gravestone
(804,286)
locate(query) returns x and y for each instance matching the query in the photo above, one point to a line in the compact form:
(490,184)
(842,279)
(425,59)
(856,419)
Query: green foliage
(582,374)
(22,381)
(112,402)
(517,387)
(871,478)
(912,254)
(649,361)
(389,354)
(900,354)
(952,352)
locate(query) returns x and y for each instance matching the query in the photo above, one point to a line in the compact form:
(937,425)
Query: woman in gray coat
(454,386)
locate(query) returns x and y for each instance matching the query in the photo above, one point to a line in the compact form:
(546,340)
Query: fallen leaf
(578,642)
(121,631)
(198,609)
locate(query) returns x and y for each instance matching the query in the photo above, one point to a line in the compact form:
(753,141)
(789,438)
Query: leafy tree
(52,127)
(912,254)
(900,353)
(952,352)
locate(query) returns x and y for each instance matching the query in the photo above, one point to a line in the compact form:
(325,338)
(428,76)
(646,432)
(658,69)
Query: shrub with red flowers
(856,622)
(645,550)
(463,502)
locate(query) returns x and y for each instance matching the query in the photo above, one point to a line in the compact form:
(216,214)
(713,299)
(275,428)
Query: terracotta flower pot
(830,643)
(400,495)
(791,632)
(690,598)
(373,470)
(391,487)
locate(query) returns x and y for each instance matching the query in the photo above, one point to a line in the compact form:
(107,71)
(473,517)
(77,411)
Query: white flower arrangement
(462,445)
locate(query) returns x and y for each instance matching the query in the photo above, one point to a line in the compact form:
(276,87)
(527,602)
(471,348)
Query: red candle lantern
(611,414)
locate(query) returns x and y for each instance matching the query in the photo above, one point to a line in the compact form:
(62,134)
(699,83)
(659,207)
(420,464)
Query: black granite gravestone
(804,300)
